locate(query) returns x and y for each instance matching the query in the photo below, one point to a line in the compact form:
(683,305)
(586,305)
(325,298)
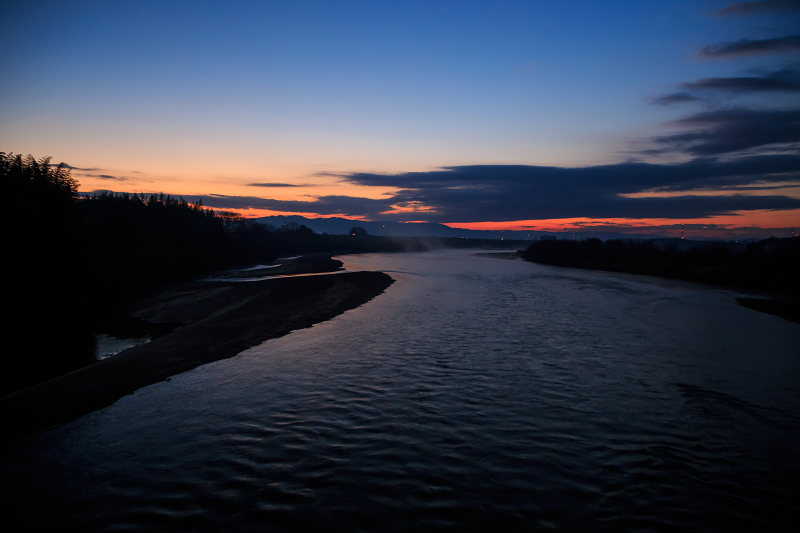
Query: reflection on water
(475,394)
(258,267)
(262,278)
(107,345)
(120,332)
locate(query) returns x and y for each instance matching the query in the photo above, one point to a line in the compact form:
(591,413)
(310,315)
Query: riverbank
(786,306)
(769,266)
(222,319)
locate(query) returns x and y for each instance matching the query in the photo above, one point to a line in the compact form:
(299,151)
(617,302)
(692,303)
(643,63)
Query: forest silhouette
(769,265)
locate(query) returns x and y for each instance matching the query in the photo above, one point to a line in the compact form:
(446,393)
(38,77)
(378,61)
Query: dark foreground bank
(222,319)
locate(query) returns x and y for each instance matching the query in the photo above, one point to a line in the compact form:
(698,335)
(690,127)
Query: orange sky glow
(476,115)
(313,185)
(711,226)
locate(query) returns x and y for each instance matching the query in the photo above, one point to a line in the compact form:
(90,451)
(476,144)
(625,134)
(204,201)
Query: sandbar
(223,318)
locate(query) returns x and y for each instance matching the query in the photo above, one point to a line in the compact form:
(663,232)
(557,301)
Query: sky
(484,115)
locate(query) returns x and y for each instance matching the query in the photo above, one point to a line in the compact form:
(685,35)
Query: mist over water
(475,394)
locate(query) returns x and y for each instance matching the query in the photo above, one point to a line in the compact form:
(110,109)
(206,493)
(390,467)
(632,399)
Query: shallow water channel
(475,394)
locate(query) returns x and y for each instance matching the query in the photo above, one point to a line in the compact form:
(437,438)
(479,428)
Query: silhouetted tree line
(44,256)
(138,243)
(72,262)
(770,264)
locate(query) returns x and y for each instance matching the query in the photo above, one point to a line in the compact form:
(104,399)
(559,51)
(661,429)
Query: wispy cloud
(276,185)
(784,80)
(731,130)
(674,98)
(329,174)
(722,131)
(762,6)
(74,168)
(323,205)
(752,47)
(105,177)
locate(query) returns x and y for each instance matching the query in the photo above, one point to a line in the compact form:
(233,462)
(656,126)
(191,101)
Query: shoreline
(223,318)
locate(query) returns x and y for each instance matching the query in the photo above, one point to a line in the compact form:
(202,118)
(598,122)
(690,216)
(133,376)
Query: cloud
(506,192)
(763,6)
(274,185)
(323,205)
(74,168)
(674,98)
(784,80)
(329,174)
(749,47)
(105,177)
(621,177)
(731,130)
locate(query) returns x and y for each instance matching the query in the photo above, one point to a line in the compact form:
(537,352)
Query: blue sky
(205,98)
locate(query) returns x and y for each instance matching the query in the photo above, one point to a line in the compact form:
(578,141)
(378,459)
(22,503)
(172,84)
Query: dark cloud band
(323,205)
(674,98)
(762,6)
(748,47)
(784,81)
(731,130)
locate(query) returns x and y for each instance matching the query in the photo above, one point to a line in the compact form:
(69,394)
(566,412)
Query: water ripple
(474,395)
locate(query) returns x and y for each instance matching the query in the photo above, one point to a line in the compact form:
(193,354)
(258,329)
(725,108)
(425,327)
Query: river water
(475,394)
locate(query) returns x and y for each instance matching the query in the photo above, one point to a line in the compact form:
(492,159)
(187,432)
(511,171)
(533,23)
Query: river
(475,394)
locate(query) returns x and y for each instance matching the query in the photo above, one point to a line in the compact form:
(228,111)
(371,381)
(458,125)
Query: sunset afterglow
(519,115)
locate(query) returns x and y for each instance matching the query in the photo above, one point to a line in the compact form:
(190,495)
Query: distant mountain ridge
(340,226)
